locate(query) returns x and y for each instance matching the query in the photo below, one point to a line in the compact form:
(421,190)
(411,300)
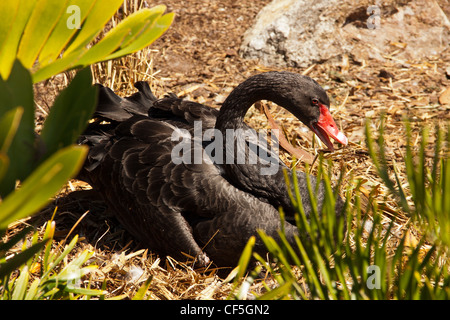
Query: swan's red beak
(326,127)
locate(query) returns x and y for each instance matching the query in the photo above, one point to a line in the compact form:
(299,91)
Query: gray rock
(301,32)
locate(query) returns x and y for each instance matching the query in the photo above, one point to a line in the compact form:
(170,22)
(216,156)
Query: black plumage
(205,208)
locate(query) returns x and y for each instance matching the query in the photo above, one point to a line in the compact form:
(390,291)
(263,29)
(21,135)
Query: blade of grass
(143,289)
(20,284)
(20,259)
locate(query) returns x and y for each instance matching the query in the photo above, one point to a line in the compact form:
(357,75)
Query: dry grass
(197,59)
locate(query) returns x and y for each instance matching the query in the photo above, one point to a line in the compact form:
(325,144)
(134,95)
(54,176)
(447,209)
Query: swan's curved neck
(233,110)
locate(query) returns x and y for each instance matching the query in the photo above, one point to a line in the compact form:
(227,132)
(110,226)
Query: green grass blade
(19,259)
(84,291)
(20,284)
(278,292)
(33,290)
(143,289)
(310,272)
(60,256)
(245,257)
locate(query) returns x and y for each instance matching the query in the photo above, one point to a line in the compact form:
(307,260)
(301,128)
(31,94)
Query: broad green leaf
(67,62)
(132,34)
(41,30)
(65,30)
(135,23)
(147,37)
(4,164)
(123,34)
(43,19)
(52,174)
(20,10)
(14,92)
(7,21)
(104,47)
(97,17)
(51,293)
(9,124)
(77,263)
(147,19)
(70,113)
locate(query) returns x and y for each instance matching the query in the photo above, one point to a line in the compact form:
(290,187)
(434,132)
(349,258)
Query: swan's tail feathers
(112,107)
(111,114)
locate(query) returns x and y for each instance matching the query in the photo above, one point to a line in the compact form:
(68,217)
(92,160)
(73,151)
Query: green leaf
(97,17)
(125,33)
(67,62)
(7,21)
(42,30)
(64,30)
(18,91)
(72,272)
(132,34)
(45,15)
(52,174)
(148,35)
(70,113)
(107,45)
(9,124)
(49,232)
(19,11)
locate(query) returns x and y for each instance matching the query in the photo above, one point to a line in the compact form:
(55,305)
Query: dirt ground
(198,58)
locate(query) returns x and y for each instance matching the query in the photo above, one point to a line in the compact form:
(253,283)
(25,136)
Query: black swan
(205,207)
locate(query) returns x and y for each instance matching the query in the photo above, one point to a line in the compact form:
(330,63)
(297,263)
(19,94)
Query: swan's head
(309,102)
(299,94)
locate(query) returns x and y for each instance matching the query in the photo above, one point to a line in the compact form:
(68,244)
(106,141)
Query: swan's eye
(315,101)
